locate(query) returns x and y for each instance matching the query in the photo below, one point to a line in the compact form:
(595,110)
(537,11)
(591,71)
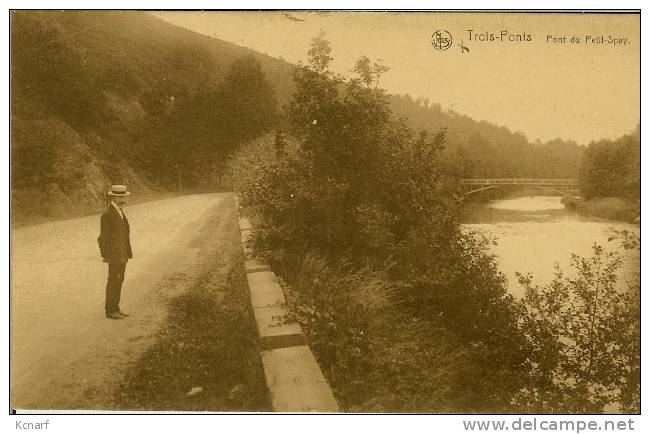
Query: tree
(359,155)
(247,104)
(51,72)
(200,124)
(612,168)
(368,74)
(366,190)
(585,336)
(319,54)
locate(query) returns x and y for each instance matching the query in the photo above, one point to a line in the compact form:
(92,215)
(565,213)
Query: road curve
(58,282)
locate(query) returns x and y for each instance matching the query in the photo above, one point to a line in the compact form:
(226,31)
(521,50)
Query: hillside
(91,93)
(101,97)
(482,149)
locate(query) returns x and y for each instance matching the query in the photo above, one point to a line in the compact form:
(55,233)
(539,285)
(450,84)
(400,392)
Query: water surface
(533,233)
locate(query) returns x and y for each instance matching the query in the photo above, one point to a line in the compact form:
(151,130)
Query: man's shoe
(114,316)
(124,314)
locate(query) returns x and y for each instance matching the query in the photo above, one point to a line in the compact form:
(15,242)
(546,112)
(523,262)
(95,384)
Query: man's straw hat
(118,190)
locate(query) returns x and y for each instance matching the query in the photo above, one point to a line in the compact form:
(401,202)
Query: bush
(378,357)
(356,203)
(585,335)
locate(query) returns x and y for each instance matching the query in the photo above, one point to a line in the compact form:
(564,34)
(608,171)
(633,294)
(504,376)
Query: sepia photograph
(326,211)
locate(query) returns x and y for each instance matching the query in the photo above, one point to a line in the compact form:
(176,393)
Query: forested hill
(126,97)
(482,149)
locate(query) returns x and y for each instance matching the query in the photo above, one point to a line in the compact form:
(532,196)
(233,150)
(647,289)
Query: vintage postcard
(330,211)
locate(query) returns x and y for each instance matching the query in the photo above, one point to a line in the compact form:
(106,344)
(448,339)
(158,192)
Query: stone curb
(294,379)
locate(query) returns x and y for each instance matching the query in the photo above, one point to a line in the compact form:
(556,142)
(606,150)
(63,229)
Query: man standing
(115,247)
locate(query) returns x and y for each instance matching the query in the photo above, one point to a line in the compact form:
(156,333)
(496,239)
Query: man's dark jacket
(114,238)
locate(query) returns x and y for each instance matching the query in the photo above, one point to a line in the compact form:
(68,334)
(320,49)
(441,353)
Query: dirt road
(64,353)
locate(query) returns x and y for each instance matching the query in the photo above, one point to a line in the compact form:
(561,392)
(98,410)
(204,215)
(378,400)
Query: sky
(517,70)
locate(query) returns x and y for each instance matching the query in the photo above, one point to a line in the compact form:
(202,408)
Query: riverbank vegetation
(585,337)
(611,208)
(356,206)
(612,168)
(610,179)
(404,311)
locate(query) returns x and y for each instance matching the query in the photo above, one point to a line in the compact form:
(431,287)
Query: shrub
(367,194)
(585,335)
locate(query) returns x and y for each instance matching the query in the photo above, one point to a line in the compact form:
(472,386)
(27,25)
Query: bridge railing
(521,181)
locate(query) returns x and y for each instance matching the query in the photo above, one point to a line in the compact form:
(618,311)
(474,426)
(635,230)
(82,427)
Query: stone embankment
(293,377)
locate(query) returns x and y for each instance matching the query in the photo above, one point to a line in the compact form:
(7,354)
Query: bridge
(563,186)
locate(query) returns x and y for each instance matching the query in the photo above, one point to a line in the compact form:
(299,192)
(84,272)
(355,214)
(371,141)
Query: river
(533,233)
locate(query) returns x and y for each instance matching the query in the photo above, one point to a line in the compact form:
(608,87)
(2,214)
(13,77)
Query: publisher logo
(441,40)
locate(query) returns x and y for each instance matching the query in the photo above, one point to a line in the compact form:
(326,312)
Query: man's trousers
(114,287)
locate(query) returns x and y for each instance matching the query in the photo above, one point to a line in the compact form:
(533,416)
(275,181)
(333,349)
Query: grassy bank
(209,342)
(611,208)
(379,356)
